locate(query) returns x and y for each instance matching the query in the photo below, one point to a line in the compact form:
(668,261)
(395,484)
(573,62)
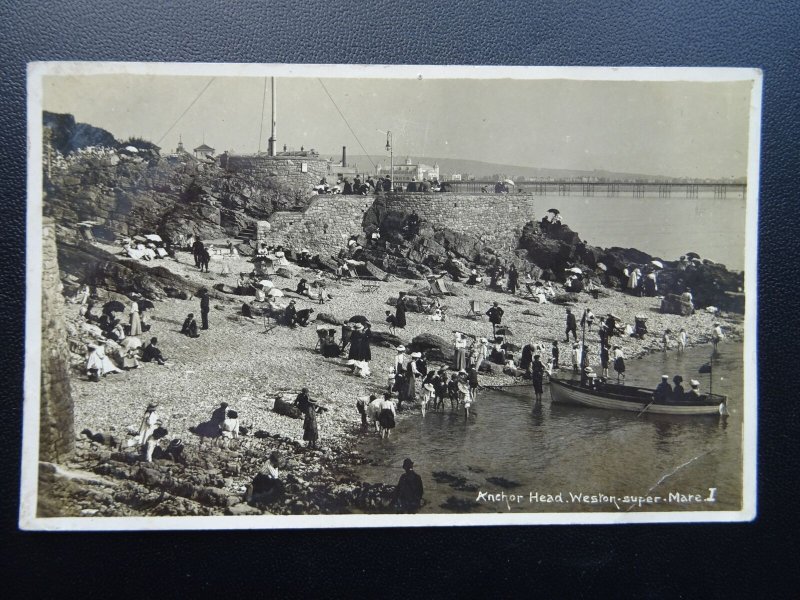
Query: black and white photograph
(312,296)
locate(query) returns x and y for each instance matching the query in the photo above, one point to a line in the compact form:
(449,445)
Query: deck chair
(368,284)
(473,312)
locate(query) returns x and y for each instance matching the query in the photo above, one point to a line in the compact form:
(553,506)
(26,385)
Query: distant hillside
(486,170)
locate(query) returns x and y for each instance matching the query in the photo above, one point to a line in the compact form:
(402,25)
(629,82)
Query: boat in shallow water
(614,396)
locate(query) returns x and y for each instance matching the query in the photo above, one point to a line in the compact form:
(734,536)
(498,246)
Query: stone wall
(329,221)
(496,219)
(56,424)
(324,227)
(287,168)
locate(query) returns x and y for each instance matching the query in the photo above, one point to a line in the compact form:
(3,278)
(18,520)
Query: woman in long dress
(633,279)
(136,322)
(97,363)
(460,353)
(310,430)
(410,382)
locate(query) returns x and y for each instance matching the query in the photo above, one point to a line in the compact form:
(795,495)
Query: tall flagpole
(274,122)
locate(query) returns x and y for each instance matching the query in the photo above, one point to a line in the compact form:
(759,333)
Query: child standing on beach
(665,340)
(682,340)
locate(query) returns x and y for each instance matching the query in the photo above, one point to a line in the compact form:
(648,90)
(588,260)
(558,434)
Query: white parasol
(575,270)
(657,263)
(266,284)
(275,293)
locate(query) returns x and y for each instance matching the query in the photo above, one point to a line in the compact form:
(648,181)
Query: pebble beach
(246,362)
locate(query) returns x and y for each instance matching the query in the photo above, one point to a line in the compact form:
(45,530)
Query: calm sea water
(664,227)
(554,449)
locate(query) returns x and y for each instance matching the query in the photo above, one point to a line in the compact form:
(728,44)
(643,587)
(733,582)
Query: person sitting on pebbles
(229,428)
(97,363)
(189,327)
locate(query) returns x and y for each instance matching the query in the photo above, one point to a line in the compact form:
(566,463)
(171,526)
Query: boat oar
(646,407)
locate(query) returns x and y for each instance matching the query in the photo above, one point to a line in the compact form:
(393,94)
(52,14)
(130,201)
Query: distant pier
(609,189)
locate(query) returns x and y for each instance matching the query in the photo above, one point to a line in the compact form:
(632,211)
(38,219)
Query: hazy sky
(662,128)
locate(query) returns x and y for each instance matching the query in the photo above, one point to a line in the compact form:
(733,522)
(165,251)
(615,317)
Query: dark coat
(400,314)
(409,491)
(495,315)
(204,304)
(355,346)
(572,323)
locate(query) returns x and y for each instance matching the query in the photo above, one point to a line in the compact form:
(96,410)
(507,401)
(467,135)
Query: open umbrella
(613,316)
(113,306)
(266,284)
(555,211)
(145,305)
(692,255)
(657,263)
(575,270)
(153,237)
(509,182)
(602,267)
(358,319)
(275,293)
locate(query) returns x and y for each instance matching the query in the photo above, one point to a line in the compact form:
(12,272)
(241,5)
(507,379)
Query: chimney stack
(344,156)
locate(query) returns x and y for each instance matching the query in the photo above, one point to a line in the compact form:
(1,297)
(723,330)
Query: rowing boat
(622,397)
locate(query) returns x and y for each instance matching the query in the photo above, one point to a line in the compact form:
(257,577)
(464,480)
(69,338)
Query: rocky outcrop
(674,305)
(68,136)
(88,264)
(434,347)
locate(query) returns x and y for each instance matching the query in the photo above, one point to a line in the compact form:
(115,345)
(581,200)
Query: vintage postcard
(313,296)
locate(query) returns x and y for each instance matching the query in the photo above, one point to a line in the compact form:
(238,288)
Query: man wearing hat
(663,391)
(694,394)
(495,314)
(408,493)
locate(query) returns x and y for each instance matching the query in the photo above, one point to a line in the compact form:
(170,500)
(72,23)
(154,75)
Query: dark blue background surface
(654,561)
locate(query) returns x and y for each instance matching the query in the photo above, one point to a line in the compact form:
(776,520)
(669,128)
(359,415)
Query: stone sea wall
(56,428)
(495,219)
(289,169)
(329,221)
(324,227)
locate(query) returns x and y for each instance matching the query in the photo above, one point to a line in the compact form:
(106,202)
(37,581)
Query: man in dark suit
(495,314)
(408,493)
(205,303)
(572,325)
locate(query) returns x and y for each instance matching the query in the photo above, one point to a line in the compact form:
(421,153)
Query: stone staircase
(248,234)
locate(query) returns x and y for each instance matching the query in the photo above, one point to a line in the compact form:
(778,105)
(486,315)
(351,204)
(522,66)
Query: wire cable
(161,139)
(346,123)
